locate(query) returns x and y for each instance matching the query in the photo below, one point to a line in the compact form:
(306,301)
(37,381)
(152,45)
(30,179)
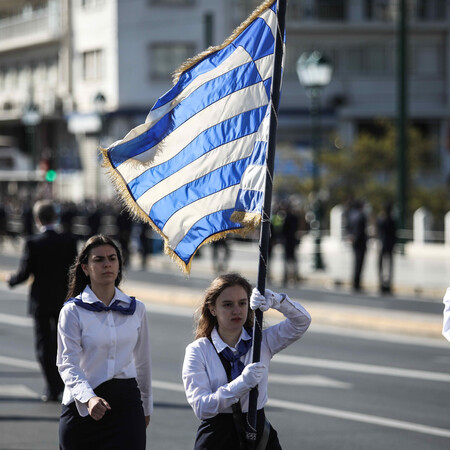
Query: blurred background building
(76,73)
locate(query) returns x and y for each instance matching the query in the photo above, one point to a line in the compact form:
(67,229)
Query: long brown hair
(78,280)
(205,321)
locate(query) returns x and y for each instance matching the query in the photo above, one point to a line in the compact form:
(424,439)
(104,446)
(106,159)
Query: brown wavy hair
(205,321)
(78,280)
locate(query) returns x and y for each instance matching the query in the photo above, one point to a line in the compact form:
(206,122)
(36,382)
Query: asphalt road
(337,388)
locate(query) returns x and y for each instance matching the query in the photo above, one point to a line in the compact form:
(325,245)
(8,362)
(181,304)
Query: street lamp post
(99,105)
(314,73)
(31,119)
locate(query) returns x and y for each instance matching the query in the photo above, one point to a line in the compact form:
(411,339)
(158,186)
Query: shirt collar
(44,228)
(88,296)
(220,345)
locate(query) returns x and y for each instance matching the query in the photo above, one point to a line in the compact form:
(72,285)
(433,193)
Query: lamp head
(314,70)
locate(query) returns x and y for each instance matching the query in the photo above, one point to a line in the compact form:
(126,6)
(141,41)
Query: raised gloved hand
(264,302)
(248,379)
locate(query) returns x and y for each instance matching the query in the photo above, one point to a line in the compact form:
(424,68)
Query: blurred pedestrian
(27,219)
(94,218)
(220,255)
(103,356)
(272,243)
(47,257)
(357,224)
(386,232)
(223,336)
(145,243)
(124,229)
(68,214)
(446,324)
(291,241)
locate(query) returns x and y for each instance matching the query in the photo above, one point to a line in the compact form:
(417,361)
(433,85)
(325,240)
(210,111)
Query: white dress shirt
(446,324)
(94,347)
(205,381)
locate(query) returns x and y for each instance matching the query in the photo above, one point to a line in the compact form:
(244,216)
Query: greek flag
(195,170)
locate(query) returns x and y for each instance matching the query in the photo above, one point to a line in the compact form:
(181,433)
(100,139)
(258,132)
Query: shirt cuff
(147,404)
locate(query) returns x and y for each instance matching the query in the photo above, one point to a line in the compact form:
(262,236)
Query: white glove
(248,379)
(264,302)
(253,374)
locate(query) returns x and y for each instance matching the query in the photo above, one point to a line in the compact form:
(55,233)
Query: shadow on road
(171,405)
(28,419)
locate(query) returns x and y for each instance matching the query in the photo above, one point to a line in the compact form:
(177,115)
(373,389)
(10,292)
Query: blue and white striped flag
(196,169)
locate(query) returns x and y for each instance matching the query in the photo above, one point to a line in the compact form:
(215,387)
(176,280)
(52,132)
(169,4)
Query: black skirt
(219,433)
(121,427)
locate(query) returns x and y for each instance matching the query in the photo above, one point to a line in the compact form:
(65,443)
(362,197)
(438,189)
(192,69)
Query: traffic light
(50,176)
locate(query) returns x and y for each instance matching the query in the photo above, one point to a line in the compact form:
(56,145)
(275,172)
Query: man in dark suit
(357,223)
(386,231)
(47,256)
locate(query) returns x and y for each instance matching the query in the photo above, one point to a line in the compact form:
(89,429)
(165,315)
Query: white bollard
(337,222)
(422,223)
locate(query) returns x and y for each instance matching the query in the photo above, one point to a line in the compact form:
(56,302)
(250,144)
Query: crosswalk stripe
(19,321)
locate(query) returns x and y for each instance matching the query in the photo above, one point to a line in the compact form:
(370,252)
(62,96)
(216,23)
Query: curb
(363,318)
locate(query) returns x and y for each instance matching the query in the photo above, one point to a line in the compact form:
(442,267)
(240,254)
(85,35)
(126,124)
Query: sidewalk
(423,271)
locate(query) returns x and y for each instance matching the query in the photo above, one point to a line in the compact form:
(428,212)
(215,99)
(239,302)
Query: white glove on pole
(264,302)
(249,378)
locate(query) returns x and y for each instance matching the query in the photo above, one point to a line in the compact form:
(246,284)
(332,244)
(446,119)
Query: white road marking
(370,335)
(277,403)
(362,368)
(17,390)
(19,321)
(336,413)
(186,311)
(357,417)
(16,362)
(308,380)
(168,386)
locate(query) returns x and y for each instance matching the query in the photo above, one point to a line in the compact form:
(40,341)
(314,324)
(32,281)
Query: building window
(166,57)
(2,78)
(426,60)
(11,78)
(431,10)
(380,10)
(92,65)
(331,9)
(369,60)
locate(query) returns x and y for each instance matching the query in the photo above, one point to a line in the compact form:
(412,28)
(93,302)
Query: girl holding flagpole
(217,371)
(103,356)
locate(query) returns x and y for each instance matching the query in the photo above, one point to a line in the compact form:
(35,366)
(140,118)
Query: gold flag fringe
(196,59)
(249,220)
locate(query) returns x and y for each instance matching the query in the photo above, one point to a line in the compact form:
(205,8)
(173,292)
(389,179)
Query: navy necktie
(100,306)
(237,366)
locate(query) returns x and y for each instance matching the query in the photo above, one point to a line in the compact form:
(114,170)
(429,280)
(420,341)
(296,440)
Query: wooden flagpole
(265,224)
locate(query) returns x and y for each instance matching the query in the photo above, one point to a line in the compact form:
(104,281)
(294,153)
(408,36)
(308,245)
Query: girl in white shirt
(214,384)
(103,356)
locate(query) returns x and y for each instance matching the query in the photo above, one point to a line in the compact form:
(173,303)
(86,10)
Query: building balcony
(32,28)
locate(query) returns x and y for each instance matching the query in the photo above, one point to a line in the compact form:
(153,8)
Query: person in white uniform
(218,372)
(103,356)
(446,324)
